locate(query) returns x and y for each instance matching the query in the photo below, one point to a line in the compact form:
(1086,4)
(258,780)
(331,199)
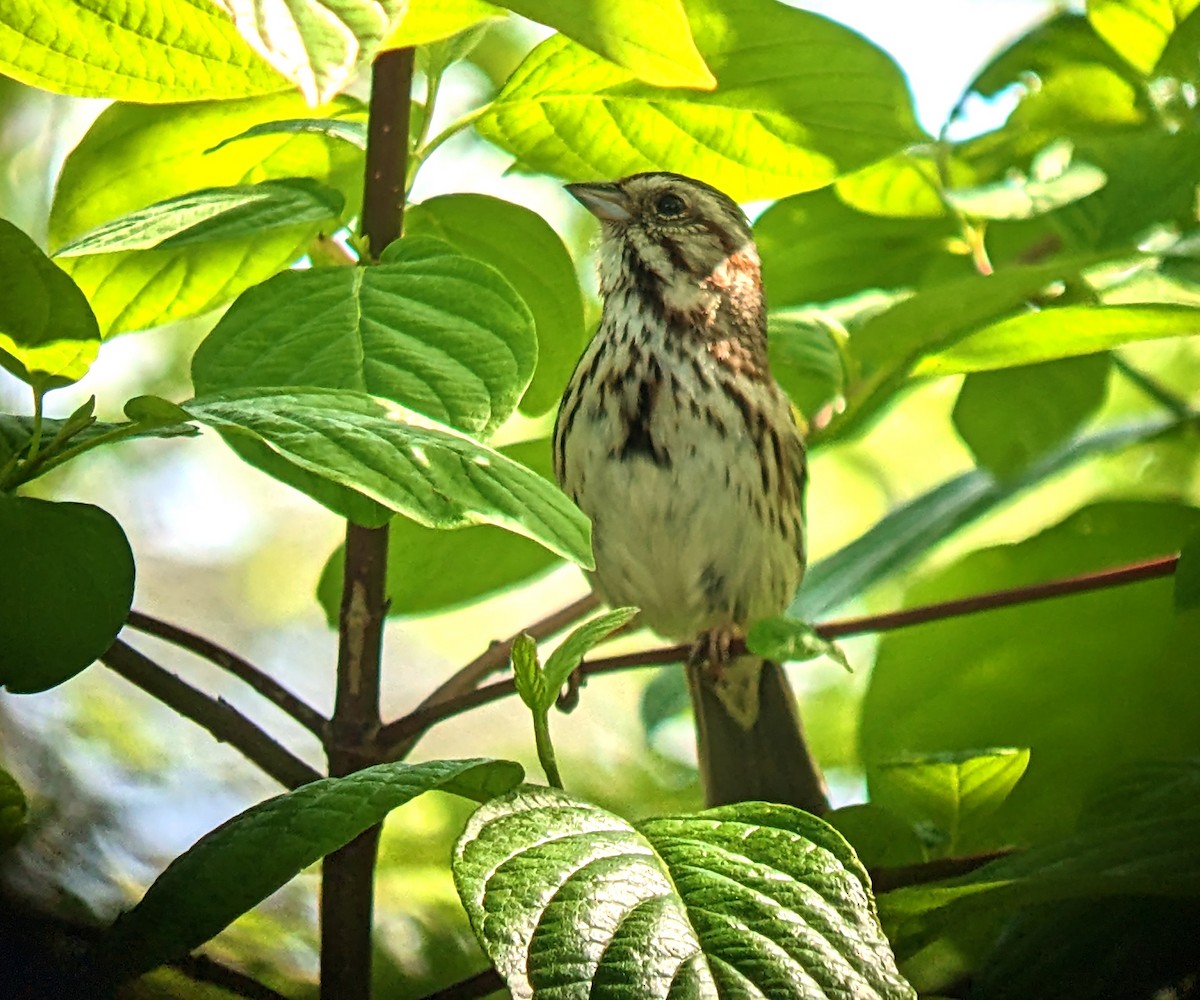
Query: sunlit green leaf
(776,124)
(786,639)
(351,130)
(134,156)
(1018,196)
(148,51)
(1068,331)
(565,896)
(1137,30)
(48,334)
(1011,416)
(425,21)
(66,584)
(398,459)
(319,46)
(907,185)
(427,327)
(542,272)
(581,641)
(243,861)
(650,38)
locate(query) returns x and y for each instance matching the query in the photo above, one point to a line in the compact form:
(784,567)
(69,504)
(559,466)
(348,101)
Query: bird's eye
(670,205)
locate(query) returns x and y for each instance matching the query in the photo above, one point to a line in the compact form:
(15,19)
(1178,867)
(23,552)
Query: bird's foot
(712,651)
(733,677)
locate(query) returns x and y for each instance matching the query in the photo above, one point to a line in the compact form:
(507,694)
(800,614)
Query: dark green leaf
(212,215)
(1086,682)
(1187,576)
(542,272)
(880,838)
(427,327)
(1011,416)
(13,811)
(949,797)
(805,359)
(582,640)
(772,127)
(48,335)
(568,899)
(66,584)
(154,411)
(786,639)
(243,861)
(401,460)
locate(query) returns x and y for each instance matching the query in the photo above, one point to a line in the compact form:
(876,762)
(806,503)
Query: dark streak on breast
(639,437)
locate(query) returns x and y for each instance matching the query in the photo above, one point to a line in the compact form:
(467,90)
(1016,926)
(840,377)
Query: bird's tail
(760,759)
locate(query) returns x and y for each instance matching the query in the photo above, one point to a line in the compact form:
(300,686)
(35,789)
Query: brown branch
(348,875)
(481,984)
(397,739)
(203,969)
(220,718)
(887,879)
(242,669)
(421,719)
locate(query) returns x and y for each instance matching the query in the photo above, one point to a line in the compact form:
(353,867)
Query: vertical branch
(348,875)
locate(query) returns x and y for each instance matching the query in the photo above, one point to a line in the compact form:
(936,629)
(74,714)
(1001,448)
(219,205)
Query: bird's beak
(607,202)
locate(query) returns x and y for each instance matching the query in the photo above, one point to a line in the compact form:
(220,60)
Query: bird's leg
(734,679)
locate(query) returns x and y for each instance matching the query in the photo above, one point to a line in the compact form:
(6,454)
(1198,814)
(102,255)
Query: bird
(676,441)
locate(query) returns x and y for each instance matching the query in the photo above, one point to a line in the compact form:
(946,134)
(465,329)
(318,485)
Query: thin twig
(887,879)
(203,969)
(421,719)
(481,984)
(216,715)
(242,669)
(397,738)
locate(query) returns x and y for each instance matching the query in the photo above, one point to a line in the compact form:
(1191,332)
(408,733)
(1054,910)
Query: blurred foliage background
(119,784)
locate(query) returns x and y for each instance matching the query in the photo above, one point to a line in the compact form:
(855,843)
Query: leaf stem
(48,460)
(545,748)
(449,132)
(1153,388)
(35,439)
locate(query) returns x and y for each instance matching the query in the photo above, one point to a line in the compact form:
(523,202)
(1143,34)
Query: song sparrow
(676,441)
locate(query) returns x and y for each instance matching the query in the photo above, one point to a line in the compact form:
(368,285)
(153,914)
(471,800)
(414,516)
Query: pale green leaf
(780,121)
(48,334)
(134,156)
(581,641)
(1137,30)
(317,44)
(148,51)
(425,21)
(649,38)
(786,639)
(351,130)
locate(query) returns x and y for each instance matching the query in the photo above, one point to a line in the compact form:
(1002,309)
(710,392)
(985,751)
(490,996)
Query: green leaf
(582,640)
(147,51)
(14,808)
(66,585)
(488,229)
(906,185)
(812,249)
(212,215)
(1187,576)
(425,21)
(1117,663)
(431,570)
(353,131)
(1063,332)
(785,639)
(948,796)
(154,411)
(1011,416)
(319,46)
(914,528)
(400,460)
(805,359)
(16,432)
(134,156)
(1143,847)
(243,861)
(1050,184)
(775,125)
(649,38)
(527,672)
(427,327)
(745,900)
(1137,30)
(48,335)
(880,838)
(1181,58)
